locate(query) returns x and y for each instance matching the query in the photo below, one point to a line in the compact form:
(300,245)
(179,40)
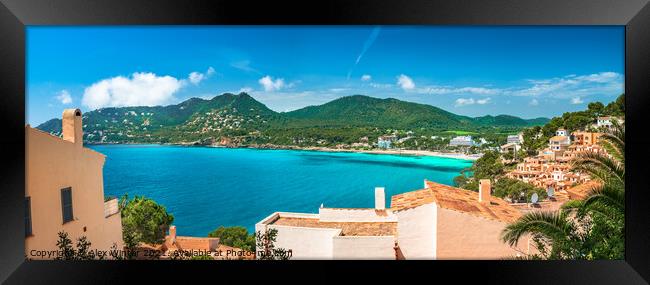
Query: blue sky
(522,71)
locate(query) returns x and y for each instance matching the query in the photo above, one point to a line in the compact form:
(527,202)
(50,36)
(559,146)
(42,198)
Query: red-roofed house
(437,222)
(444,222)
(183,247)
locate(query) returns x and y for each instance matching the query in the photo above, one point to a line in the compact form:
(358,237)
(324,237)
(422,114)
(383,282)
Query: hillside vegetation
(241,120)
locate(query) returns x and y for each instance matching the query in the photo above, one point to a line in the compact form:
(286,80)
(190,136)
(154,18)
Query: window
(66,204)
(28,216)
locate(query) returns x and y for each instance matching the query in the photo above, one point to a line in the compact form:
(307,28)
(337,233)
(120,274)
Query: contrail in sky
(371,39)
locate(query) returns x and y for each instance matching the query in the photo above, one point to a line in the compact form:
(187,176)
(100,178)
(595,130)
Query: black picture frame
(633,14)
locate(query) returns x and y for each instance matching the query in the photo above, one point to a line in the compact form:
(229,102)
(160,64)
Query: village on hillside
(445,222)
(551,167)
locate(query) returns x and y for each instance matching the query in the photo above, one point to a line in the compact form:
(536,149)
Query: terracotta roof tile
(411,199)
(581,191)
(455,199)
(558,138)
(189,243)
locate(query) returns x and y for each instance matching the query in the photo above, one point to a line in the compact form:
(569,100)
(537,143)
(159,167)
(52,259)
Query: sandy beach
(404,152)
(401,152)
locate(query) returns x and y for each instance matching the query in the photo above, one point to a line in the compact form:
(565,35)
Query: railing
(111,207)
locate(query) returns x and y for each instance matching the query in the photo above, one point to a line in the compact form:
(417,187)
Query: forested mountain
(230,115)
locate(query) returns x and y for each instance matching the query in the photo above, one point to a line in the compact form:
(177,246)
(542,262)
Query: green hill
(52,126)
(359,110)
(241,115)
(507,120)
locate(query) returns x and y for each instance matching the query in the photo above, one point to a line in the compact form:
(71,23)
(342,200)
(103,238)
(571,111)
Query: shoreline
(403,152)
(398,152)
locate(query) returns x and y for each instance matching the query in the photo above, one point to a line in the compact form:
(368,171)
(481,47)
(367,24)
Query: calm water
(207,187)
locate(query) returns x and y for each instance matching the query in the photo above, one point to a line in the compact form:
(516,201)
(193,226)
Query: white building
(461,141)
(516,139)
(607,122)
(510,147)
(437,222)
(604,122)
(337,233)
(560,142)
(386,141)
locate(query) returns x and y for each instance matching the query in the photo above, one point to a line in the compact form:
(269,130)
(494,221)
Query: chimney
(172,234)
(484,189)
(71,126)
(380,198)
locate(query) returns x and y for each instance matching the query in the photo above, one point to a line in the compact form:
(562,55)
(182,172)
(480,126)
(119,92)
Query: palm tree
(554,234)
(609,197)
(587,229)
(608,168)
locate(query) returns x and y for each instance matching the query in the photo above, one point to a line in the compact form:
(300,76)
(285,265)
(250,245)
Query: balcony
(111,207)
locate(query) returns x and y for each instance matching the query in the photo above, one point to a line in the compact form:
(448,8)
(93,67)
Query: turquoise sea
(207,187)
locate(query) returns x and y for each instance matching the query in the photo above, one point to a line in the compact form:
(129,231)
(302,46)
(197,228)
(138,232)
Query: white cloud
(381,86)
(570,86)
(436,90)
(405,82)
(366,77)
(196,77)
(602,77)
(339,90)
(271,85)
(244,65)
(471,101)
(64,97)
(566,87)
(576,100)
(366,45)
(140,89)
(477,90)
(483,101)
(457,90)
(545,87)
(246,90)
(464,102)
(533,102)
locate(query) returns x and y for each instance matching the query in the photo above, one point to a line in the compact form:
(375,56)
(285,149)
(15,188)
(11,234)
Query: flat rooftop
(347,228)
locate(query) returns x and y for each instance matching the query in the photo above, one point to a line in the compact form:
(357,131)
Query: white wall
(306,243)
(364,247)
(355,215)
(324,243)
(416,232)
